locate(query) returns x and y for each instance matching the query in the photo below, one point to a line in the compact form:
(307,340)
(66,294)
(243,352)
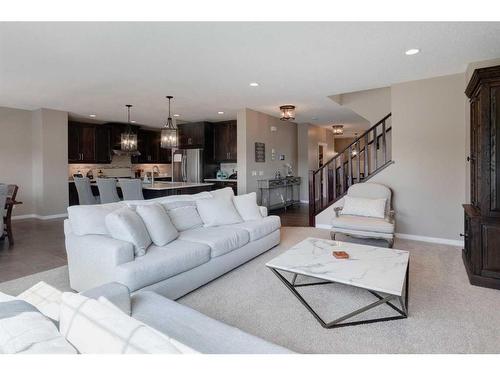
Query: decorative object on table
(277,173)
(287,112)
(128,138)
(169,136)
(289,169)
(369,213)
(338,129)
(260,152)
(382,272)
(100,174)
(340,254)
(221,175)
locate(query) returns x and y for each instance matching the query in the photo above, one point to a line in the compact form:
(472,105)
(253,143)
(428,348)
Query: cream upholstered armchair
(363,218)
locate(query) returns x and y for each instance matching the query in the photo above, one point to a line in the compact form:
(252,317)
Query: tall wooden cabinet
(481,252)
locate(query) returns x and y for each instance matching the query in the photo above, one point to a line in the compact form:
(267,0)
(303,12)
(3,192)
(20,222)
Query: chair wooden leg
(8,226)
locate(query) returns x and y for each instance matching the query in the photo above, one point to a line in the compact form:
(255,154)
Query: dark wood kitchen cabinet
(225,141)
(481,252)
(149,145)
(88,143)
(192,135)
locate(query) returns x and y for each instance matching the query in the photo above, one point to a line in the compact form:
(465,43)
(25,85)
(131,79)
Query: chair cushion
(221,240)
(163,262)
(362,223)
(259,228)
(364,207)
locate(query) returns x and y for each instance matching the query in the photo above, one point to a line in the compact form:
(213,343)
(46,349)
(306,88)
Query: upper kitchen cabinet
(148,144)
(224,141)
(88,143)
(193,135)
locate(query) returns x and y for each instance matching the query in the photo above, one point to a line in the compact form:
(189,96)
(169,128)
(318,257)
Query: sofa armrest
(92,259)
(263,211)
(116,293)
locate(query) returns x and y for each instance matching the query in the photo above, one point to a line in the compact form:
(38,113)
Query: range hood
(126,153)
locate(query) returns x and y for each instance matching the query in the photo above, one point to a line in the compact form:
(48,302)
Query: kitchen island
(149,190)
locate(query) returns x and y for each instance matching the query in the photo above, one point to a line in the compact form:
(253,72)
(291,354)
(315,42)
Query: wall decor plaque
(260,152)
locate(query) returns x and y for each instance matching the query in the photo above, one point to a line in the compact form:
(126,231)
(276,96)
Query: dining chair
(131,189)
(3,199)
(107,190)
(12,195)
(84,190)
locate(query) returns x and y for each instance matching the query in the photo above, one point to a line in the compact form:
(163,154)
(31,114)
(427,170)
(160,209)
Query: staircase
(366,156)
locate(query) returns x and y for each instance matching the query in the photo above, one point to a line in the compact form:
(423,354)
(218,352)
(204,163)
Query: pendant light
(338,129)
(128,139)
(169,131)
(287,112)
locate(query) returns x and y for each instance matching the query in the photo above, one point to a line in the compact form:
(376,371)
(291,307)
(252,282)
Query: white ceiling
(86,68)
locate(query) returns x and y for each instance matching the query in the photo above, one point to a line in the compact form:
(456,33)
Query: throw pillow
(218,211)
(126,225)
(364,207)
(158,223)
(183,214)
(95,327)
(226,193)
(24,329)
(247,207)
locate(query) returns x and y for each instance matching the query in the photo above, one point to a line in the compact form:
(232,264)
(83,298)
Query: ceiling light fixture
(169,131)
(254,84)
(338,129)
(92,116)
(133,121)
(412,51)
(176,115)
(287,112)
(128,139)
(220,113)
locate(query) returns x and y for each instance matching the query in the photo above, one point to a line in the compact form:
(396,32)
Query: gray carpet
(447,314)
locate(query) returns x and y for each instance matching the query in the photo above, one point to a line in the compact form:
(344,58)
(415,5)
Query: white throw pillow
(218,211)
(45,298)
(25,330)
(226,192)
(93,327)
(126,225)
(158,223)
(364,207)
(247,207)
(183,214)
(90,219)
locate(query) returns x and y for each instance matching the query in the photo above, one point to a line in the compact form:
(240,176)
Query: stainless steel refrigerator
(187,165)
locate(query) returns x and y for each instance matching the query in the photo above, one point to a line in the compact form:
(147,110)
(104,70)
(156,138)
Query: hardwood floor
(39,247)
(296,216)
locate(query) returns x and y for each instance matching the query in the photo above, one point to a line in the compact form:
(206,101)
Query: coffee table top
(368,267)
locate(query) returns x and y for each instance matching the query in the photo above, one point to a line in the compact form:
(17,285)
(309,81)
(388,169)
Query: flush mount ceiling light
(169,131)
(412,51)
(128,139)
(220,113)
(338,129)
(92,116)
(254,84)
(287,112)
(133,121)
(176,115)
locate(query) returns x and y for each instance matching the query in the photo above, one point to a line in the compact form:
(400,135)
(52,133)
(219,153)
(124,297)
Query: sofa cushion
(198,331)
(247,207)
(362,223)
(163,262)
(217,211)
(225,193)
(24,329)
(96,328)
(259,228)
(221,240)
(90,219)
(158,223)
(126,225)
(183,214)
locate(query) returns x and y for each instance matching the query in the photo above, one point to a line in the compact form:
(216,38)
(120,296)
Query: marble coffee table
(382,272)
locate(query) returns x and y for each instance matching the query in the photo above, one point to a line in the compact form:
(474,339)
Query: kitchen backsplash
(229,167)
(118,162)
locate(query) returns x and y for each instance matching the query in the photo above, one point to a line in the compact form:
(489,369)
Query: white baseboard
(39,217)
(444,241)
(304,201)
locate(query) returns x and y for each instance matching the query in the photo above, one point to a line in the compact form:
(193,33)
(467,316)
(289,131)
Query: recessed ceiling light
(133,121)
(412,51)
(254,84)
(314,118)
(176,115)
(220,113)
(92,116)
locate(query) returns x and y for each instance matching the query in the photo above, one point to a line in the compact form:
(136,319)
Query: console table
(289,193)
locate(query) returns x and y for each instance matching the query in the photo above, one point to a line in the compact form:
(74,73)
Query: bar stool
(131,189)
(107,190)
(84,190)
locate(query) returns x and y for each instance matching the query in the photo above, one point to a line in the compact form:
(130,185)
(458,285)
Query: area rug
(447,314)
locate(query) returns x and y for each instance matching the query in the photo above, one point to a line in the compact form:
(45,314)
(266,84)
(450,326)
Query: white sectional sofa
(198,255)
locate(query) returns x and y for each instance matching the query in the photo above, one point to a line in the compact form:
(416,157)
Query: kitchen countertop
(220,180)
(173,185)
(162,175)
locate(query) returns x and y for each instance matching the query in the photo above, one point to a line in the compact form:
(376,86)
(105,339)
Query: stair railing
(367,155)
